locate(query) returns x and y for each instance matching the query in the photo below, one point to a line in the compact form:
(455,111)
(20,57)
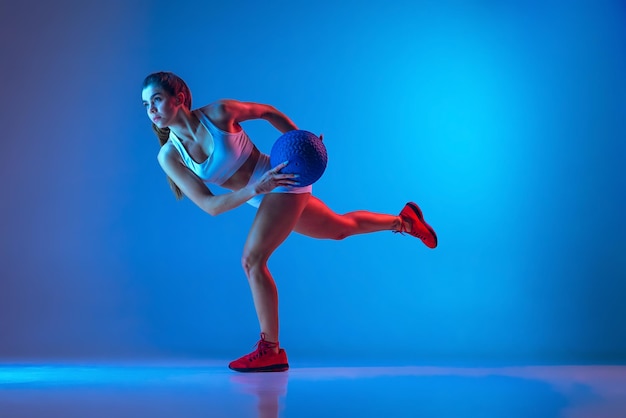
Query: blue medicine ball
(305,152)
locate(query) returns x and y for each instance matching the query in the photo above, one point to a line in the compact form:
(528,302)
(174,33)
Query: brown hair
(172,84)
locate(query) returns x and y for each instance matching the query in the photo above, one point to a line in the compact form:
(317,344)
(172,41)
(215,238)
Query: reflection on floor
(210,390)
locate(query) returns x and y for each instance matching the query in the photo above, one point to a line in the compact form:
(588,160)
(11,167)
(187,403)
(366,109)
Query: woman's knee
(340,228)
(251,261)
(347,226)
(341,234)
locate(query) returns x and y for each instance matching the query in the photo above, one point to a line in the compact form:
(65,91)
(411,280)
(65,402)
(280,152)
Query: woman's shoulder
(218,110)
(220,113)
(170,152)
(165,150)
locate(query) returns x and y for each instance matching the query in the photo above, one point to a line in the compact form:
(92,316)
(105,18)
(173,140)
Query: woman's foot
(264,359)
(413,224)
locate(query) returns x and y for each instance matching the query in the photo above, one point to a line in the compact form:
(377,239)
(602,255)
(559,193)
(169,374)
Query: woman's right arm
(199,193)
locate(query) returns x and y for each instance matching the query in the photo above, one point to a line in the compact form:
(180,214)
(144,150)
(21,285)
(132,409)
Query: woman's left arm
(233,112)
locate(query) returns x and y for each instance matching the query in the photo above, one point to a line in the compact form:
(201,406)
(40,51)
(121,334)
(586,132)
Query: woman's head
(162,94)
(170,83)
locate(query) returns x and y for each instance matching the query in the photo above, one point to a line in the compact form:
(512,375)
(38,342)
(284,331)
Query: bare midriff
(240,179)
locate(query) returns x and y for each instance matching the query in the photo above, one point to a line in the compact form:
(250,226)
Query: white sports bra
(230,151)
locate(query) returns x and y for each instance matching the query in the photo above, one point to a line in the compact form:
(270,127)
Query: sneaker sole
(418,212)
(271,368)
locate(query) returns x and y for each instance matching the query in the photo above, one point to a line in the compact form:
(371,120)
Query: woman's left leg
(319,221)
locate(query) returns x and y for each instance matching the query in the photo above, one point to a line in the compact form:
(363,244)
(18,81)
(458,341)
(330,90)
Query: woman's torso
(220,153)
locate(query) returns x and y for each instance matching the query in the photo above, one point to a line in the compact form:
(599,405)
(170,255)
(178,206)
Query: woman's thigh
(319,221)
(275,219)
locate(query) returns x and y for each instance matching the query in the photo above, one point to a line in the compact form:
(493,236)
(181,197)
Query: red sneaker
(263,359)
(412,215)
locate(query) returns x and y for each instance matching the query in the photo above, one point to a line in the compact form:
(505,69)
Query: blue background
(505,121)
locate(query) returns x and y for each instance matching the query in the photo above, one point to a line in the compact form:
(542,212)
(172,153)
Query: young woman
(208,146)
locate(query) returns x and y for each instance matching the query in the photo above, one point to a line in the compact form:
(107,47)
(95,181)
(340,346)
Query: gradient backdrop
(505,121)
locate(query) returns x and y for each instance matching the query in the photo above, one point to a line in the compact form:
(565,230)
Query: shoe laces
(262,347)
(404,229)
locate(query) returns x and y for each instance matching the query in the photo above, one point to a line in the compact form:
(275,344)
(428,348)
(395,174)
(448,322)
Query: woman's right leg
(274,221)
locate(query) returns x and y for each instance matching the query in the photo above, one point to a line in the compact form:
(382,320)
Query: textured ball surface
(305,152)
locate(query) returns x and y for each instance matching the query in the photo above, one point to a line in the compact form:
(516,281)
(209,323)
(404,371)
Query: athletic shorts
(262,167)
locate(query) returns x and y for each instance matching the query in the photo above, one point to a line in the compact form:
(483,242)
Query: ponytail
(163,135)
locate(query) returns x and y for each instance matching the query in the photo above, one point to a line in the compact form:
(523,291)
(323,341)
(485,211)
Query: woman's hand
(273,178)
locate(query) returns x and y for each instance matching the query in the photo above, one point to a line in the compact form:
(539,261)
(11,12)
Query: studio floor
(211,390)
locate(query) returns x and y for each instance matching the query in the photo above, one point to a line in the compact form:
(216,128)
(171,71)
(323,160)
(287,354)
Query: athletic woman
(208,146)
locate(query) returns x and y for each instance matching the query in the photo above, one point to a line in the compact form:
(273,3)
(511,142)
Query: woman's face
(160,106)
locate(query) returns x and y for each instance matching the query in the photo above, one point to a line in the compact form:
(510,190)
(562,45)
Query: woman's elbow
(207,205)
(268,112)
(211,210)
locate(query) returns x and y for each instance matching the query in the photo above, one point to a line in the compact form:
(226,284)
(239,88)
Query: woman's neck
(185,125)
